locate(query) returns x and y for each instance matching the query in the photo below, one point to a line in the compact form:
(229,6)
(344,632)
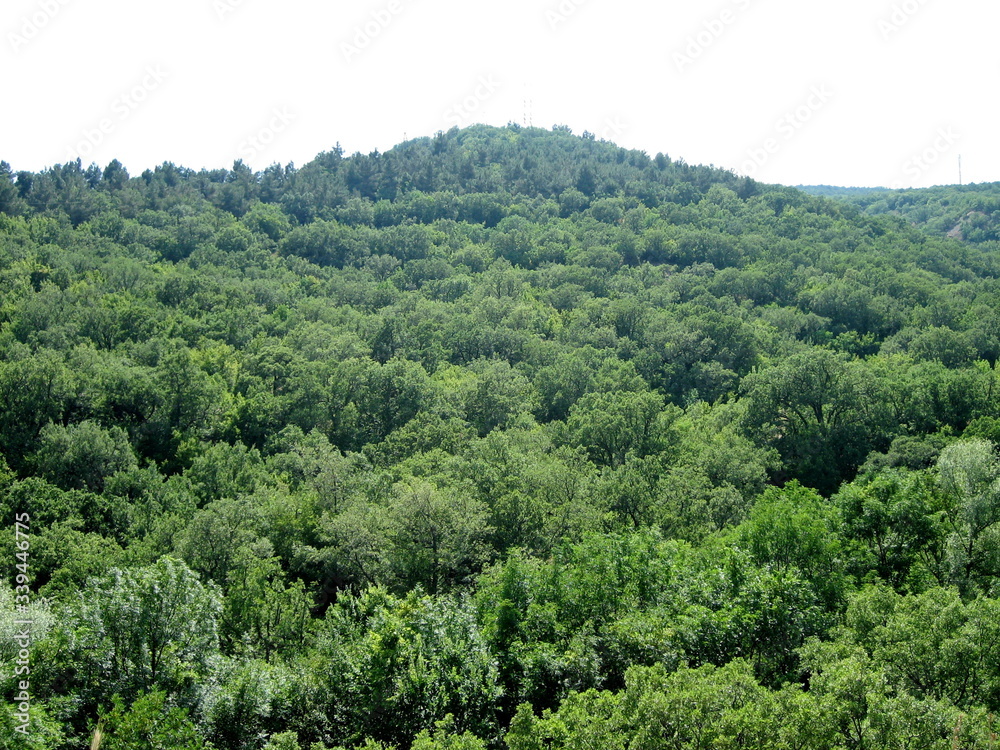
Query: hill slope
(968,212)
(491,419)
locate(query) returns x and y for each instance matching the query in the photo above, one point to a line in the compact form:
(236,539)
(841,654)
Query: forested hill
(505,438)
(480,160)
(967,212)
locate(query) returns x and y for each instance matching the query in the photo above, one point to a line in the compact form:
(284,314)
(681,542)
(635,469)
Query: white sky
(904,86)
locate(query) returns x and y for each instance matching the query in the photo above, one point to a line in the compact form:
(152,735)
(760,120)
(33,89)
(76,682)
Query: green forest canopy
(505,438)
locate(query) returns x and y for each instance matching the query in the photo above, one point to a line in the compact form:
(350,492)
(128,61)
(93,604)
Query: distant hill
(832,191)
(966,212)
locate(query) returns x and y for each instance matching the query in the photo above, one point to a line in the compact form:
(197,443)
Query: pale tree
(969,475)
(151,628)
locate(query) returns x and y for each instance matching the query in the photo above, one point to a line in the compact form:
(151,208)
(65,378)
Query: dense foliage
(502,438)
(967,212)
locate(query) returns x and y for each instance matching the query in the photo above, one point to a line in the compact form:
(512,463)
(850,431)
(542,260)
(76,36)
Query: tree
(267,219)
(561,384)
(932,645)
(152,628)
(115,176)
(823,413)
(394,667)
(67,557)
(891,517)
(9,199)
(82,456)
(211,541)
(191,402)
(326,243)
(149,723)
(48,505)
(439,536)
(687,708)
(613,425)
(969,474)
(238,707)
(354,548)
(34,391)
(794,528)
(633,490)
(853,698)
(262,613)
(376,399)
(499,395)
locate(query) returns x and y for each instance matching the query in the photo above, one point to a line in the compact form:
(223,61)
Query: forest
(502,439)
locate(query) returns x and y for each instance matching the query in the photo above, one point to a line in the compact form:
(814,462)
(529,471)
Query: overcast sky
(853,92)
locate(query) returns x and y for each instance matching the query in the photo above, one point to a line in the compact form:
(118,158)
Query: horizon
(257,171)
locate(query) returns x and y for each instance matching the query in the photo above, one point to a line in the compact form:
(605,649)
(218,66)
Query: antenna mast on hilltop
(959,169)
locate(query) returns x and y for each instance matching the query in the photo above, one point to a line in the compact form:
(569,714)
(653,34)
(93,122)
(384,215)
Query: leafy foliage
(500,437)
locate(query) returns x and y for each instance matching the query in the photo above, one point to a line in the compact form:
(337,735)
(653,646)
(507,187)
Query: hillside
(501,438)
(966,212)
